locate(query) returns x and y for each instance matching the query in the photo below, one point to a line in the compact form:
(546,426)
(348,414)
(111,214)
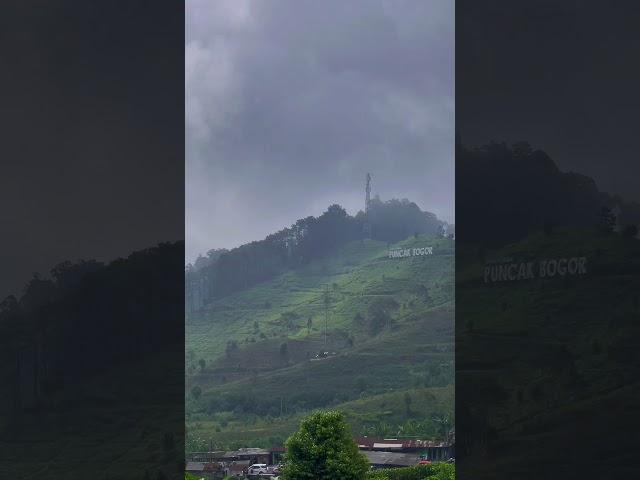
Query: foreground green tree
(323,449)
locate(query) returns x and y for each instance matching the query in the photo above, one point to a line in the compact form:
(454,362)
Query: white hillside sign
(548,268)
(410,252)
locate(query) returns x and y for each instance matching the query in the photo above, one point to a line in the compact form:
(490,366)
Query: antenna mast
(367,201)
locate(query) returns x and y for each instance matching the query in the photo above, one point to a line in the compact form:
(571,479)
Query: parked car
(258,469)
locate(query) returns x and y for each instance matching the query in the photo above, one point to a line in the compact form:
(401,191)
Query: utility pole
(326,312)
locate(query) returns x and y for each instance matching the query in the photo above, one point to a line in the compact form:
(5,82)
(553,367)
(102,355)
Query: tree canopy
(89,316)
(323,449)
(512,191)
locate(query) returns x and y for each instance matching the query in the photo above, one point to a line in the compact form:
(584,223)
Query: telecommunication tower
(367,200)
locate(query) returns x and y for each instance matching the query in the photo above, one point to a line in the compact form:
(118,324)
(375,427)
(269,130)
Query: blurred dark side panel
(92,243)
(548,255)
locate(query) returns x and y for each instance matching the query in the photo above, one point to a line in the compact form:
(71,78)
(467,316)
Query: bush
(439,471)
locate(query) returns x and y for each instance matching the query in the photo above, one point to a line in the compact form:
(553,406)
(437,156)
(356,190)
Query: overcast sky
(562,75)
(289,103)
(92,132)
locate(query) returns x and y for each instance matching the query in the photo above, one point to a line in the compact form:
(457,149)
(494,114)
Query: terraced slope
(387,324)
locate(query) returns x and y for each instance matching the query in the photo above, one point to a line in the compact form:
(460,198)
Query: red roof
(211,467)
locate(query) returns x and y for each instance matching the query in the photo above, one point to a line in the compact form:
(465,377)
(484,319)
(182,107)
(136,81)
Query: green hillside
(90,425)
(389,330)
(547,354)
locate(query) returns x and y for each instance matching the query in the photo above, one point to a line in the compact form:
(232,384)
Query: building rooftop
(391,459)
(375,443)
(243,452)
(195,467)
(195,456)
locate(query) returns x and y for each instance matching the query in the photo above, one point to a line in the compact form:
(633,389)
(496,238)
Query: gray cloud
(290,103)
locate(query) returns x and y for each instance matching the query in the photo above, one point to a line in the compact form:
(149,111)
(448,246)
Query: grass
(383,414)
(80,434)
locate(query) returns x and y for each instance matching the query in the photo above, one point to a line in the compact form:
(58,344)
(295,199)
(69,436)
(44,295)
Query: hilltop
(256,357)
(509,192)
(312,238)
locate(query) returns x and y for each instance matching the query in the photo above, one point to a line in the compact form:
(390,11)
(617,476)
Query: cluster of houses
(381,453)
(392,452)
(236,463)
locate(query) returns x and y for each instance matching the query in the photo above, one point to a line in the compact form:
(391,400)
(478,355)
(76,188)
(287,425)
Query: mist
(290,103)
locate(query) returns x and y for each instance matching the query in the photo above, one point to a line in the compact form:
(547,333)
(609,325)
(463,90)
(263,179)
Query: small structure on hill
(323,355)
